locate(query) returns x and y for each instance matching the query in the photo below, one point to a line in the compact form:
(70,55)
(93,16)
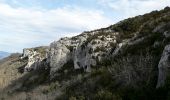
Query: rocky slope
(90,48)
(131,56)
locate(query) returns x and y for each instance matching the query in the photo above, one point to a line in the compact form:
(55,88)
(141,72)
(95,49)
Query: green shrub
(106,95)
(72,98)
(98,49)
(70,48)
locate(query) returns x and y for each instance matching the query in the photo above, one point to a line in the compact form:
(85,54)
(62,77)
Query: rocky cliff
(92,47)
(131,56)
(86,50)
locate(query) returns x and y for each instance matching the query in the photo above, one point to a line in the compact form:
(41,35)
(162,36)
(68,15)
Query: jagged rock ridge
(85,50)
(90,48)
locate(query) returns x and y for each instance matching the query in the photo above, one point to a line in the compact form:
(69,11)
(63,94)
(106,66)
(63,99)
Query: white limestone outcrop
(35,57)
(84,50)
(164,66)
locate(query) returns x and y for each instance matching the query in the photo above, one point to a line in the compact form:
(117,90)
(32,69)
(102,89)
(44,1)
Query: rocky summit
(129,60)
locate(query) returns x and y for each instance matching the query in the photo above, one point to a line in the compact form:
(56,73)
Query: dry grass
(9,69)
(133,70)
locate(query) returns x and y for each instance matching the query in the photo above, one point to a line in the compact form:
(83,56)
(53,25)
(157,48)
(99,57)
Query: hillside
(125,61)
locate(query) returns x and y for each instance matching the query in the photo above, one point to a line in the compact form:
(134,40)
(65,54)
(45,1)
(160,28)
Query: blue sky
(31,23)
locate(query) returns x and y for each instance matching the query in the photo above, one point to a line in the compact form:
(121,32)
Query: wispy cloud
(26,27)
(130,8)
(28,23)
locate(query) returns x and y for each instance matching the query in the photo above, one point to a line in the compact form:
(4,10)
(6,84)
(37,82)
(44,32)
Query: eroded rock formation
(35,57)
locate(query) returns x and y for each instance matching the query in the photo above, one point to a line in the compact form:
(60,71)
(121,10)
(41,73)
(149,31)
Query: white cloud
(22,27)
(27,27)
(130,8)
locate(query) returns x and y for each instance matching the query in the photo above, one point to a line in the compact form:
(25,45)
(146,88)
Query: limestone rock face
(59,54)
(164,66)
(84,50)
(35,57)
